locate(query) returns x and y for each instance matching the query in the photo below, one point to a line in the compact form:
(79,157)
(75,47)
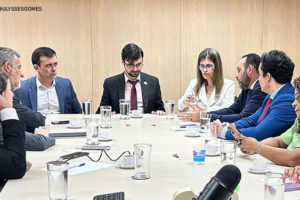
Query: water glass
(211,139)
(92,127)
(105,112)
(228,152)
(274,186)
(57,179)
(204,119)
(199,150)
(124,109)
(86,107)
(142,157)
(170,109)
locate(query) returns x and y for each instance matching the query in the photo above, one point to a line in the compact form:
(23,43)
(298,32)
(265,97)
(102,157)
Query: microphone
(221,186)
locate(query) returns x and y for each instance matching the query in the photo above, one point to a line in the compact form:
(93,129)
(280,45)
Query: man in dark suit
(47,93)
(276,114)
(251,97)
(141,89)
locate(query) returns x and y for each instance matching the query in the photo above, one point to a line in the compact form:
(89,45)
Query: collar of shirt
(252,86)
(41,86)
(126,77)
(275,92)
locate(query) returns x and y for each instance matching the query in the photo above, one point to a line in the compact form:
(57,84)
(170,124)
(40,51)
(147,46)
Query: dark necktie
(265,110)
(133,97)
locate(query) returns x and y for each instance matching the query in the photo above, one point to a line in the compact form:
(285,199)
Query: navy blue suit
(66,95)
(245,105)
(278,118)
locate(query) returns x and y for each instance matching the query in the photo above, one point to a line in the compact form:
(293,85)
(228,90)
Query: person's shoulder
(28,81)
(148,77)
(113,78)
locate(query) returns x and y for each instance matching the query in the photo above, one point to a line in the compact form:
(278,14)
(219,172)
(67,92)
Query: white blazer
(225,99)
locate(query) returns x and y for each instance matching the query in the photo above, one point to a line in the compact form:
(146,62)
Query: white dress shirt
(212,103)
(47,101)
(8,113)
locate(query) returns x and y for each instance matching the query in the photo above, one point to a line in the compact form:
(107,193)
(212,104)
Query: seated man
(47,93)
(283,149)
(293,173)
(276,114)
(142,90)
(250,99)
(12,151)
(10,64)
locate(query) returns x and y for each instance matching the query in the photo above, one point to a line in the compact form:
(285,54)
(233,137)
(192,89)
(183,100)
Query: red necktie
(133,98)
(265,110)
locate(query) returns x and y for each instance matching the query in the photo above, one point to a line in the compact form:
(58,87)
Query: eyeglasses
(51,65)
(207,66)
(141,64)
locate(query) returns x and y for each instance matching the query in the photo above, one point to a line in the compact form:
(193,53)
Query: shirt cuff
(8,113)
(223,133)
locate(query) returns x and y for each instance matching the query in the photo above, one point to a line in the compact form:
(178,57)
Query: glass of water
(57,179)
(170,109)
(228,152)
(86,107)
(124,109)
(274,186)
(142,156)
(204,119)
(92,127)
(105,112)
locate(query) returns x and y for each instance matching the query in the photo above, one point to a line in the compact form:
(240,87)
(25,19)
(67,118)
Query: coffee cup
(127,160)
(136,113)
(103,135)
(260,165)
(193,130)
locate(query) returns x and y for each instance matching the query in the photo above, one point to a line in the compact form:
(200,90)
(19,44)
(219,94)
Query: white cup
(136,113)
(260,165)
(127,160)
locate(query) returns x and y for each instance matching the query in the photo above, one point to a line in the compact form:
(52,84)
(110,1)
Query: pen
(80,165)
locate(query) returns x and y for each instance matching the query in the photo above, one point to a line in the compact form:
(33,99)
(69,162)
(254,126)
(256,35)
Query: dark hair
(3,82)
(252,59)
(39,52)
(297,83)
(279,65)
(218,80)
(131,52)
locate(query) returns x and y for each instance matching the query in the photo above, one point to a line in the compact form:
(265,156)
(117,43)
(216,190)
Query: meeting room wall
(88,36)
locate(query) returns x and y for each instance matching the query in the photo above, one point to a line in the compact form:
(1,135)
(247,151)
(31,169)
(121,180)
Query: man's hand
(4,103)
(293,173)
(42,131)
(220,126)
(249,145)
(158,112)
(189,116)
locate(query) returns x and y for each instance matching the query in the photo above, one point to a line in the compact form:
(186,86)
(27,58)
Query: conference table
(167,173)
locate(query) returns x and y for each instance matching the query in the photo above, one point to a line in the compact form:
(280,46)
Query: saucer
(212,154)
(105,139)
(137,116)
(193,134)
(120,165)
(259,172)
(75,126)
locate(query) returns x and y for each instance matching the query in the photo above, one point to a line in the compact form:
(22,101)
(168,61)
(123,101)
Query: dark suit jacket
(31,118)
(114,89)
(12,152)
(246,104)
(66,95)
(278,118)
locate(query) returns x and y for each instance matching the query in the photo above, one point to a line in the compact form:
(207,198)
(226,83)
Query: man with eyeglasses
(47,93)
(140,89)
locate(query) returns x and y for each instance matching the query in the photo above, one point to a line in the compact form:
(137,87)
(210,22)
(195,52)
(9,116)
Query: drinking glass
(57,179)
(142,155)
(170,109)
(105,112)
(92,127)
(86,107)
(228,152)
(199,150)
(274,186)
(124,109)
(204,119)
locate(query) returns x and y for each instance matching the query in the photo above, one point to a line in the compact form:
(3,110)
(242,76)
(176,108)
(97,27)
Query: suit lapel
(60,95)
(144,86)
(121,87)
(33,94)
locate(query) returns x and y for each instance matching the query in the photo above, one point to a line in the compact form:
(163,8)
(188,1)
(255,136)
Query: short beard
(244,82)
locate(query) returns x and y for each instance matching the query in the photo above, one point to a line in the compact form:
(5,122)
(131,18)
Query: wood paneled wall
(88,36)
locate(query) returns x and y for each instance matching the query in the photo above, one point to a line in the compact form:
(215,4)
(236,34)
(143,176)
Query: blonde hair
(218,80)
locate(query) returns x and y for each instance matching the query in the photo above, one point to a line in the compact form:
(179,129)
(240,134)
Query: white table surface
(167,175)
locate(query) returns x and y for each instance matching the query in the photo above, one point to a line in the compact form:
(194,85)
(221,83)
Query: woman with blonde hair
(209,90)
